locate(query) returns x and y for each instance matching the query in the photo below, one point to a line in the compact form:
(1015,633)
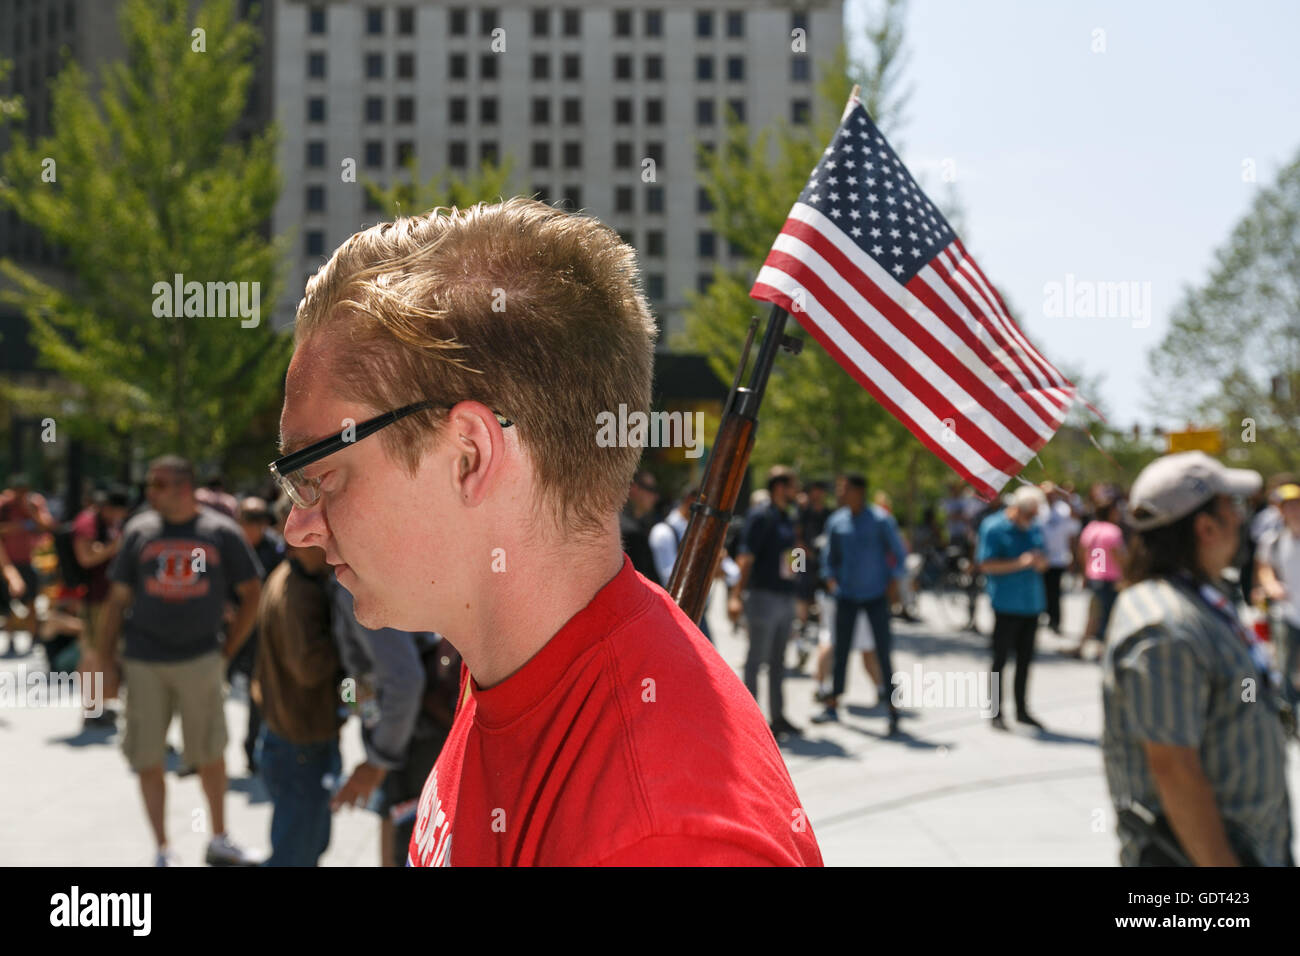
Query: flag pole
(701,547)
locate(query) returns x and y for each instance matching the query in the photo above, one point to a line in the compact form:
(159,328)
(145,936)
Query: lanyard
(1218,604)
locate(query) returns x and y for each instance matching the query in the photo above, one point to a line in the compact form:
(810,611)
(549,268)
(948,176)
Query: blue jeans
(846,616)
(300,820)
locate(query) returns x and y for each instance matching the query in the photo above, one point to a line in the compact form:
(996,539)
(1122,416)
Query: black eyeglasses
(305,492)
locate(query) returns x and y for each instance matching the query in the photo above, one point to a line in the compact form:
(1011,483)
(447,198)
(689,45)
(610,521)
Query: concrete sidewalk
(949,790)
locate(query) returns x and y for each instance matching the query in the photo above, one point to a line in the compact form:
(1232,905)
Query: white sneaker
(166,858)
(223,852)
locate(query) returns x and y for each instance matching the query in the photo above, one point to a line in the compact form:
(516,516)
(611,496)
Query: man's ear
(477,450)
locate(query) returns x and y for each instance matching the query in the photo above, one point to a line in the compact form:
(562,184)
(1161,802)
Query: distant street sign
(1208,440)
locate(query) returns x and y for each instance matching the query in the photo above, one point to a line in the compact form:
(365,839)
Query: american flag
(873,271)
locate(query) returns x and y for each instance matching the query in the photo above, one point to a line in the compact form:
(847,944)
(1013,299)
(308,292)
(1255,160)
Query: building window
(457,154)
(799,71)
(573,155)
(654,286)
(487,152)
(572,111)
(654,242)
(800,112)
(458,66)
(374,66)
(487,110)
(622,23)
(623,112)
(623,156)
(702,201)
(735,23)
(316,109)
(541,66)
(541,192)
(572,67)
(541,22)
(405,152)
(541,155)
(654,199)
(315,198)
(541,111)
(703,281)
(487,66)
(704,67)
(623,199)
(799,21)
(654,112)
(654,67)
(316,66)
(622,67)
(371,202)
(572,197)
(654,23)
(405,66)
(315,153)
(706,245)
(457,21)
(655,150)
(704,24)
(487,22)
(704,113)
(374,109)
(458,110)
(315,242)
(736,68)
(316,18)
(572,22)
(374,153)
(737,107)
(406,109)
(406,21)
(374,20)
(626,237)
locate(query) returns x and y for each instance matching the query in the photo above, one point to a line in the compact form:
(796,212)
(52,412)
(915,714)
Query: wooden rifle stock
(701,546)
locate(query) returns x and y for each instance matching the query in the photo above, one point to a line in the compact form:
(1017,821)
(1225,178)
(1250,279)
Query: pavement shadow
(1054,737)
(88,737)
(811,746)
(250,786)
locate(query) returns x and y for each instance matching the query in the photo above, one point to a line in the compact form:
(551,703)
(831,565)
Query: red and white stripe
(941,353)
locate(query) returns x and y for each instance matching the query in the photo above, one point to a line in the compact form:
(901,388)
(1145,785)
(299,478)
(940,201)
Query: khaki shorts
(155,691)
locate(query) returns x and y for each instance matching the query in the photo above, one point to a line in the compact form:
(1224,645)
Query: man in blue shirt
(863,551)
(1012,558)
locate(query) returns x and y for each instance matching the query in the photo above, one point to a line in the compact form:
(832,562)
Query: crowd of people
(189,589)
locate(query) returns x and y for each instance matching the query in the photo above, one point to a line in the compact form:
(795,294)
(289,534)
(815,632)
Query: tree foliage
(141,180)
(1231,357)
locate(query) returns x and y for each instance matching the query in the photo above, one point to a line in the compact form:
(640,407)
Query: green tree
(814,416)
(1231,357)
(413,195)
(143,180)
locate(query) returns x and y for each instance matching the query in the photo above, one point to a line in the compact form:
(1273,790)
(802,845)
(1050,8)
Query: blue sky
(1117,166)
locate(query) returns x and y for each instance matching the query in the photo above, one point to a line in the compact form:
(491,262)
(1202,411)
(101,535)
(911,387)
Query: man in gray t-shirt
(168,588)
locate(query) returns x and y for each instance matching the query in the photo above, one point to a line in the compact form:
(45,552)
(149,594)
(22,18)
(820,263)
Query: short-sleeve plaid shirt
(1176,673)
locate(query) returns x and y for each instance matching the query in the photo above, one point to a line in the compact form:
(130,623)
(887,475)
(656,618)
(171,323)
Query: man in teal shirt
(1012,558)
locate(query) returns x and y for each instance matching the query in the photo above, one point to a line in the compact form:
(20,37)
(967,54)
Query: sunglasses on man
(304,491)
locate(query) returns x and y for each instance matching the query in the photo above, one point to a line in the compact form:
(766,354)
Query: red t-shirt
(626,740)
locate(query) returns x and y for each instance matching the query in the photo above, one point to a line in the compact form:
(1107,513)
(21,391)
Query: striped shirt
(1176,673)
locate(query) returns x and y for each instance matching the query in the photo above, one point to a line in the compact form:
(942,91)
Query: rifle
(701,546)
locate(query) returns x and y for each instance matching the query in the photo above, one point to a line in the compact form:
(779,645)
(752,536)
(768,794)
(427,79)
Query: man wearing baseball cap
(1194,741)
